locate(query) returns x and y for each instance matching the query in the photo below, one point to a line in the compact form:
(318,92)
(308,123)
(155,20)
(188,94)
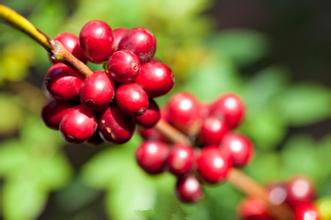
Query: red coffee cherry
(140,41)
(306,211)
(150,117)
(97,91)
(115,126)
(212,165)
(63,82)
(155,78)
(151,134)
(238,147)
(53,112)
(299,190)
(71,43)
(132,99)
(277,193)
(119,34)
(151,156)
(230,107)
(183,111)
(181,159)
(253,209)
(188,189)
(123,66)
(212,131)
(96,39)
(78,125)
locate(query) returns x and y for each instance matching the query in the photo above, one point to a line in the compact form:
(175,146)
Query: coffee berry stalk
(107,105)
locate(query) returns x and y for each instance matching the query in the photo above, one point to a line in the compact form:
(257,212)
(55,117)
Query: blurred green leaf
(9,107)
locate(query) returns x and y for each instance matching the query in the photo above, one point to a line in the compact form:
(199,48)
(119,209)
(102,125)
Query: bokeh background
(275,54)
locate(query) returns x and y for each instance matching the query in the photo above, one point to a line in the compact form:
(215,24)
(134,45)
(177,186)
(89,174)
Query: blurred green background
(275,54)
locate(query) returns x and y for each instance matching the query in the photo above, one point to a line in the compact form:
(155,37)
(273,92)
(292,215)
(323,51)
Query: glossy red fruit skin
(299,190)
(230,107)
(238,147)
(150,117)
(123,66)
(212,165)
(212,131)
(78,125)
(72,44)
(131,99)
(97,91)
(151,156)
(119,34)
(155,78)
(183,111)
(53,112)
(140,41)
(181,159)
(306,211)
(277,193)
(63,82)
(188,189)
(253,209)
(115,126)
(152,134)
(96,39)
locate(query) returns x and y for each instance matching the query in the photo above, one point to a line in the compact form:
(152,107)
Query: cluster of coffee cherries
(215,148)
(298,193)
(107,104)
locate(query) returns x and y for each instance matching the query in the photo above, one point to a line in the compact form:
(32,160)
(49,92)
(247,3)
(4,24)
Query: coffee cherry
(140,41)
(119,34)
(183,111)
(253,209)
(115,126)
(71,43)
(96,39)
(78,125)
(151,134)
(132,99)
(63,82)
(181,159)
(277,194)
(212,131)
(150,117)
(306,211)
(155,78)
(212,166)
(299,190)
(124,66)
(188,189)
(151,156)
(238,147)
(53,112)
(97,91)
(230,107)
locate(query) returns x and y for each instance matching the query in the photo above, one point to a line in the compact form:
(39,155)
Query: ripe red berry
(230,107)
(155,78)
(277,194)
(63,82)
(150,117)
(152,156)
(132,99)
(299,190)
(183,111)
(115,126)
(181,159)
(78,125)
(253,209)
(151,134)
(96,39)
(188,189)
(97,91)
(124,66)
(212,131)
(306,211)
(53,112)
(238,147)
(119,34)
(140,41)
(212,165)
(71,43)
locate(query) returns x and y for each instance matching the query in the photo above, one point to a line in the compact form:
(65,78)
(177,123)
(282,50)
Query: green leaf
(12,158)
